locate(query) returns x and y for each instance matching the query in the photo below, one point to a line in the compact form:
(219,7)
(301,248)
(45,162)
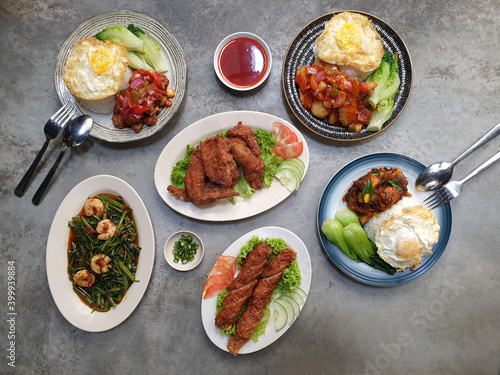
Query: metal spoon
(438,174)
(73,135)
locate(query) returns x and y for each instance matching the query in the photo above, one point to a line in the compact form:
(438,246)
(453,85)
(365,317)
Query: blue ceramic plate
(331,201)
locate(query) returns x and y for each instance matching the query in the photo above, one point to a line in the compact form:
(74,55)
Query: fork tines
(440,197)
(64,113)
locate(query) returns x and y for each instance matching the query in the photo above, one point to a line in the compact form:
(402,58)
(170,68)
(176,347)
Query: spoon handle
(481,142)
(25,181)
(37,198)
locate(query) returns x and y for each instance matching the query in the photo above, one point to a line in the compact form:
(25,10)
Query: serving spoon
(438,174)
(74,134)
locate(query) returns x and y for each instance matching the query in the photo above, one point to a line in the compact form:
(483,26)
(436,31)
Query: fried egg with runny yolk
(404,235)
(350,41)
(95,69)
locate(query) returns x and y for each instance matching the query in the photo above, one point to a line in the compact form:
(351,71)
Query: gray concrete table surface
(445,322)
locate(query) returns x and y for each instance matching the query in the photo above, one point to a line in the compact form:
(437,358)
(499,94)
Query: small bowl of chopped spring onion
(184,250)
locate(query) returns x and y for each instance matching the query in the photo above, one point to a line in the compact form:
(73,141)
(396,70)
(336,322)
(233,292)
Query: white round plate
(67,301)
(173,56)
(223,209)
(209,306)
(169,255)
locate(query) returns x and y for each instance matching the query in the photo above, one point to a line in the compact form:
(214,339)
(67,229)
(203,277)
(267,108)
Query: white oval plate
(221,210)
(68,303)
(209,306)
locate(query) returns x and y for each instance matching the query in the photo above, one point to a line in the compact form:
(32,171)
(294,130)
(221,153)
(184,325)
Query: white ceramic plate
(209,306)
(69,304)
(173,56)
(222,210)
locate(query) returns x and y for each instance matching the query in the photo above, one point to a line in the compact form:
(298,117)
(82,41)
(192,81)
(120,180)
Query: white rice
(378,218)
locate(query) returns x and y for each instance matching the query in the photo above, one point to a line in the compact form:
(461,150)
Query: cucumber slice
(293,167)
(289,309)
(296,163)
(301,292)
(289,178)
(297,297)
(295,305)
(280,316)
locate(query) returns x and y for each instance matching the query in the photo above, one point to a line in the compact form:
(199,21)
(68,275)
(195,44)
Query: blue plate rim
(351,268)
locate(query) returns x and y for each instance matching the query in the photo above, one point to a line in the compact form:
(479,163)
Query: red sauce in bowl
(243,62)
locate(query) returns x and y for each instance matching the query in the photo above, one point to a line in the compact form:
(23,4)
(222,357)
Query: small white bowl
(220,48)
(169,247)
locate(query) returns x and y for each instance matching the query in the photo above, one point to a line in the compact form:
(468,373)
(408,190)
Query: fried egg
(95,69)
(404,234)
(351,42)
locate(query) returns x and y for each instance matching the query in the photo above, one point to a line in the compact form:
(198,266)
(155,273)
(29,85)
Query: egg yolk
(101,60)
(349,38)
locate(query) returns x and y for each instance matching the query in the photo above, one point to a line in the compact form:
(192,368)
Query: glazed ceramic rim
(171,51)
(223,43)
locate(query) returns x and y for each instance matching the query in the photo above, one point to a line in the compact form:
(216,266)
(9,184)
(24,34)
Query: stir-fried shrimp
(93,206)
(106,229)
(99,263)
(84,278)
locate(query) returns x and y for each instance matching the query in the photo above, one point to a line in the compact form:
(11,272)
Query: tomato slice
(218,269)
(232,261)
(215,279)
(288,151)
(214,289)
(283,134)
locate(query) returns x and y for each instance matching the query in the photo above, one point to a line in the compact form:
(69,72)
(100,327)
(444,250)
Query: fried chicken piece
(253,166)
(245,133)
(218,162)
(261,296)
(242,286)
(197,190)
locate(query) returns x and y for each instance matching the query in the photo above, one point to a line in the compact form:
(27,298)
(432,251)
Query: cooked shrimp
(84,278)
(99,263)
(93,206)
(106,228)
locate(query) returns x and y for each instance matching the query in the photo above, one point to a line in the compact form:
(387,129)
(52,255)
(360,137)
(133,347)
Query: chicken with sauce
(376,191)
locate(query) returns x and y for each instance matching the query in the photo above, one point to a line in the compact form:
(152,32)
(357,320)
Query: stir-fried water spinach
(102,269)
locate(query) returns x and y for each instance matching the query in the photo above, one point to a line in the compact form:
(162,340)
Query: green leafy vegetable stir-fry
(103,252)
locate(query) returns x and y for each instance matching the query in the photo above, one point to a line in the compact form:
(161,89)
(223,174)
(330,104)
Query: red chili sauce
(243,62)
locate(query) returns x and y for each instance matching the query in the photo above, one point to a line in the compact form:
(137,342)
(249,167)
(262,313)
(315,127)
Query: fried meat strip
(261,296)
(240,289)
(197,190)
(245,133)
(218,162)
(253,166)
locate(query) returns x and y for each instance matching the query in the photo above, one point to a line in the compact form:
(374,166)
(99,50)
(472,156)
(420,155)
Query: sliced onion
(136,83)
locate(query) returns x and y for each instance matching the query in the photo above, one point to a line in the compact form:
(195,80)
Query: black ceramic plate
(300,52)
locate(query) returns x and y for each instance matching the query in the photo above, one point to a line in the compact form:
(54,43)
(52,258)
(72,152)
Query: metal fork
(51,129)
(452,189)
